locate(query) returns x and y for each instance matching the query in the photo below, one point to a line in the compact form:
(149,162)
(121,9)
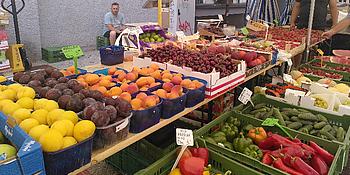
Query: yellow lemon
(2,79)
(69,126)
(51,105)
(4,102)
(40,115)
(70,115)
(37,131)
(68,141)
(3,87)
(40,103)
(26,102)
(10,108)
(83,130)
(10,94)
(15,87)
(28,124)
(51,141)
(53,115)
(21,114)
(60,126)
(25,92)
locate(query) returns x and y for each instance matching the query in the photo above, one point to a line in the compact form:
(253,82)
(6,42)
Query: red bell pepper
(275,141)
(267,159)
(319,165)
(279,165)
(325,155)
(192,166)
(294,151)
(202,153)
(302,167)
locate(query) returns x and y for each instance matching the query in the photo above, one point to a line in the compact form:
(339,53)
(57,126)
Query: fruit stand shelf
(101,154)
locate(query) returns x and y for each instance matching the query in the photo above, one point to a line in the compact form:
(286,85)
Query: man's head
(115,8)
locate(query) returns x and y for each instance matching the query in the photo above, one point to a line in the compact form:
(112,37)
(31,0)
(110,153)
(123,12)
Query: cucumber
(313,132)
(320,125)
(303,111)
(295,125)
(258,110)
(333,132)
(321,118)
(261,105)
(327,134)
(268,114)
(304,122)
(303,130)
(308,116)
(258,115)
(287,109)
(291,113)
(278,115)
(288,122)
(294,119)
(327,128)
(285,117)
(340,134)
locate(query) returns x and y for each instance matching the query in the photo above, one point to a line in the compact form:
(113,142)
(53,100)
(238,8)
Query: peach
(102,89)
(124,87)
(142,82)
(130,76)
(156,98)
(156,75)
(107,77)
(111,70)
(198,83)
(121,76)
(192,86)
(137,69)
(132,88)
(154,66)
(176,80)
(166,80)
(136,104)
(135,73)
(106,83)
(71,69)
(146,71)
(141,96)
(92,79)
(84,84)
(166,71)
(167,76)
(185,83)
(125,96)
(144,88)
(177,75)
(154,84)
(150,80)
(172,95)
(115,91)
(161,93)
(177,89)
(149,102)
(168,86)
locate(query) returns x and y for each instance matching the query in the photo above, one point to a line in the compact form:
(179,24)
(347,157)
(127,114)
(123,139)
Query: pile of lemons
(54,128)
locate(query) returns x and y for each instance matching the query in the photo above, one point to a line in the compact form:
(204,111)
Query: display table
(102,154)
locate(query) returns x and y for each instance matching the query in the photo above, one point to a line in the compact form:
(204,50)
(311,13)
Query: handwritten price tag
(245,96)
(184,137)
(288,78)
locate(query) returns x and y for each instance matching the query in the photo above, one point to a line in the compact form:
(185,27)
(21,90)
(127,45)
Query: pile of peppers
(295,157)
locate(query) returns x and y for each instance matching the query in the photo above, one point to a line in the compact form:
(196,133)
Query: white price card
(288,78)
(245,96)
(184,137)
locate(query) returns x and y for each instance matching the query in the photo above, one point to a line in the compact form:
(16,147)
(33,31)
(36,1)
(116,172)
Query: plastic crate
(315,78)
(112,133)
(68,159)
(105,71)
(143,119)
(101,41)
(82,72)
(197,95)
(336,149)
(29,158)
(112,55)
(346,75)
(7,82)
(52,54)
(220,164)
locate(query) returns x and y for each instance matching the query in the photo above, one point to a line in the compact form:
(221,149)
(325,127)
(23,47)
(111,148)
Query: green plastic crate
(147,149)
(336,149)
(315,78)
(220,164)
(342,121)
(101,41)
(52,54)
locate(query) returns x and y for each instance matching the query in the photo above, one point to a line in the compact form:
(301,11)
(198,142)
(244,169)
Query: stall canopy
(266,10)
(286,12)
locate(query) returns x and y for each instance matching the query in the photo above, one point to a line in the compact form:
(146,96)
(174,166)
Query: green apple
(7,151)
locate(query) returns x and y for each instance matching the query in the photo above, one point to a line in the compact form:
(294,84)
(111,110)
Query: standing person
(301,8)
(114,23)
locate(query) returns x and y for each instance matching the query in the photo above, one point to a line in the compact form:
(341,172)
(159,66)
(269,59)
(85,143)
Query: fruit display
(279,89)
(169,91)
(320,73)
(53,128)
(299,119)
(143,101)
(151,37)
(285,34)
(337,68)
(70,71)
(100,83)
(319,102)
(251,58)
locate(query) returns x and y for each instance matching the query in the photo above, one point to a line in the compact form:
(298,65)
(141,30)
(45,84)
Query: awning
(266,10)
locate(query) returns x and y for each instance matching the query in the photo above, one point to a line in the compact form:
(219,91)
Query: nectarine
(168,86)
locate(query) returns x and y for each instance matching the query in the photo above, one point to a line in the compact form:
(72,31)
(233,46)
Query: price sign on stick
(73,52)
(184,137)
(274,122)
(245,96)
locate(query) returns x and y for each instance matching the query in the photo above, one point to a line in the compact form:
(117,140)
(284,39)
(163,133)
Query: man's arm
(334,11)
(337,28)
(295,13)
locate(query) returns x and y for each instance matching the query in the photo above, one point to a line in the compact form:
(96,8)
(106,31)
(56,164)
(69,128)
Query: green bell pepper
(219,137)
(228,145)
(241,143)
(230,131)
(253,151)
(247,128)
(209,139)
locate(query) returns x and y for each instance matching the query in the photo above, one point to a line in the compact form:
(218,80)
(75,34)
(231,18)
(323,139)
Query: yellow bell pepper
(206,173)
(176,171)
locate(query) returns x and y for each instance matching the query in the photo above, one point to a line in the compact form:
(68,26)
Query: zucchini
(258,110)
(327,134)
(267,114)
(288,122)
(313,132)
(304,122)
(320,125)
(291,112)
(261,105)
(303,111)
(285,117)
(278,115)
(294,119)
(308,116)
(327,128)
(295,125)
(340,134)
(321,118)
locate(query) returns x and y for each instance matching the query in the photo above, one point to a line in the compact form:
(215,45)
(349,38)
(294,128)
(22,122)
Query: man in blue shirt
(114,23)
(337,28)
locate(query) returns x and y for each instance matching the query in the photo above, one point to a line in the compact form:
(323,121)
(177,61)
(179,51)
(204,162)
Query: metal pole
(311,19)
(160,16)
(15,21)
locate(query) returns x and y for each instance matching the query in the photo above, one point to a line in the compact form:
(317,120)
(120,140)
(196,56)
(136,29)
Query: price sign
(184,137)
(274,122)
(245,96)
(288,78)
(180,35)
(72,51)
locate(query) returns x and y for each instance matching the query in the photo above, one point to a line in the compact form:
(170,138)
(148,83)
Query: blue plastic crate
(197,95)
(82,72)
(105,71)
(7,82)
(29,159)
